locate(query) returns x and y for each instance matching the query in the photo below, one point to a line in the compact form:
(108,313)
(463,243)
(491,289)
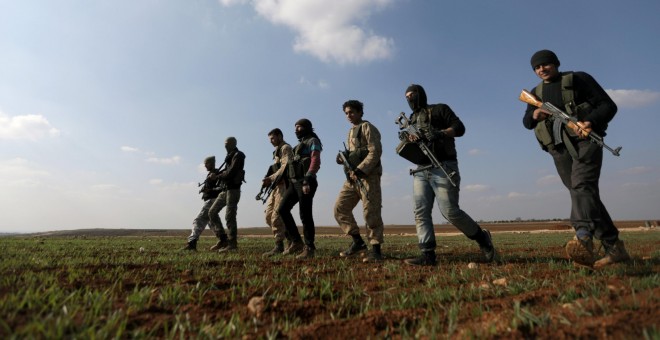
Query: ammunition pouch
(412,152)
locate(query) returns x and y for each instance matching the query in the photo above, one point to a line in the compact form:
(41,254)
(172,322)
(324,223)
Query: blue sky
(107,108)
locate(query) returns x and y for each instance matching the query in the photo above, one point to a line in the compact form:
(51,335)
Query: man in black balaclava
(302,171)
(439,126)
(578,161)
(231,178)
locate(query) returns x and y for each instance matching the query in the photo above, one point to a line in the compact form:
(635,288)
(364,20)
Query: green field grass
(144,287)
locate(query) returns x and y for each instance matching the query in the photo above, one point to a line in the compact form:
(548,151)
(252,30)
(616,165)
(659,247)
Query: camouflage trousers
(347,200)
(228,199)
(200,222)
(273,218)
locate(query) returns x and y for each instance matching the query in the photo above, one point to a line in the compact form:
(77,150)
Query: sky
(109,107)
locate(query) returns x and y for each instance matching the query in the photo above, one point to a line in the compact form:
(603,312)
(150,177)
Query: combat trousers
(273,218)
(295,195)
(200,222)
(347,200)
(433,183)
(228,199)
(581,176)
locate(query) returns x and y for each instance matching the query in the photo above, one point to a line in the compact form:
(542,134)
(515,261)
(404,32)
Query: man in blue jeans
(438,125)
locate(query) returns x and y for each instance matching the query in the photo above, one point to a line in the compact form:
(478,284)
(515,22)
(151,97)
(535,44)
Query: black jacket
(585,89)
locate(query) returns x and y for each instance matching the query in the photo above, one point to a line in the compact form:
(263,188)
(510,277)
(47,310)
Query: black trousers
(295,195)
(581,176)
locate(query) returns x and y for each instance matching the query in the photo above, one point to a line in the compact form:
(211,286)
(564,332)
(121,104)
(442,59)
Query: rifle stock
(529,98)
(570,122)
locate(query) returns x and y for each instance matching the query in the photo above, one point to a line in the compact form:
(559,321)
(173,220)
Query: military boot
(487,247)
(278,250)
(357,247)
(232,245)
(308,253)
(426,259)
(614,253)
(295,248)
(222,243)
(374,256)
(191,245)
(581,250)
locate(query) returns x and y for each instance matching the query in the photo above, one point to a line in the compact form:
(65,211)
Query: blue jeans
(433,183)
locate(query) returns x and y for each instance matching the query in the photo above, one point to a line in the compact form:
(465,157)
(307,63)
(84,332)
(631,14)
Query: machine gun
(411,150)
(569,121)
(348,168)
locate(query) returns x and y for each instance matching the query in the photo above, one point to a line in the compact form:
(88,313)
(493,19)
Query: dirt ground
(619,312)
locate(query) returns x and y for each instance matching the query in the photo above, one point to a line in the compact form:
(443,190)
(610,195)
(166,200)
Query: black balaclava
(306,128)
(230,144)
(418,99)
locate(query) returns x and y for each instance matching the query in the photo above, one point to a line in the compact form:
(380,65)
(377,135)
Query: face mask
(301,133)
(230,145)
(413,101)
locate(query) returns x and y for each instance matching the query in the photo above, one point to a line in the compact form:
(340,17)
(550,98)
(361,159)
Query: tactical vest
(423,123)
(358,151)
(277,157)
(550,131)
(302,159)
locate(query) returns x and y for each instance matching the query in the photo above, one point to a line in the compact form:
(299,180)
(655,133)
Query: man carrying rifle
(210,190)
(361,160)
(577,159)
(232,177)
(281,156)
(438,126)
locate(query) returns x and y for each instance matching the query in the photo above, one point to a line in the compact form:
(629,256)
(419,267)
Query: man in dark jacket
(302,170)
(209,191)
(439,125)
(231,177)
(578,161)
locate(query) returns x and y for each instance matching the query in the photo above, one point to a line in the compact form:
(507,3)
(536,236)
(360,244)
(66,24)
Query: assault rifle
(569,121)
(343,155)
(266,190)
(410,129)
(209,186)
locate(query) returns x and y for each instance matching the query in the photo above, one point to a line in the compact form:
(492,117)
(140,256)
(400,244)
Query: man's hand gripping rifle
(266,190)
(570,121)
(349,168)
(212,183)
(409,129)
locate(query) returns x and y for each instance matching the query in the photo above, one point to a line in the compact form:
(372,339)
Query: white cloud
(328,30)
(129,149)
(30,127)
(633,98)
(104,187)
(155,181)
(548,180)
(636,170)
(171,160)
(477,188)
(514,194)
(474,152)
(19,172)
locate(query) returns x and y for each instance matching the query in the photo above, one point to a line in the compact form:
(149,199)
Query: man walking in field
(362,184)
(578,161)
(281,156)
(302,170)
(232,177)
(210,190)
(438,126)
